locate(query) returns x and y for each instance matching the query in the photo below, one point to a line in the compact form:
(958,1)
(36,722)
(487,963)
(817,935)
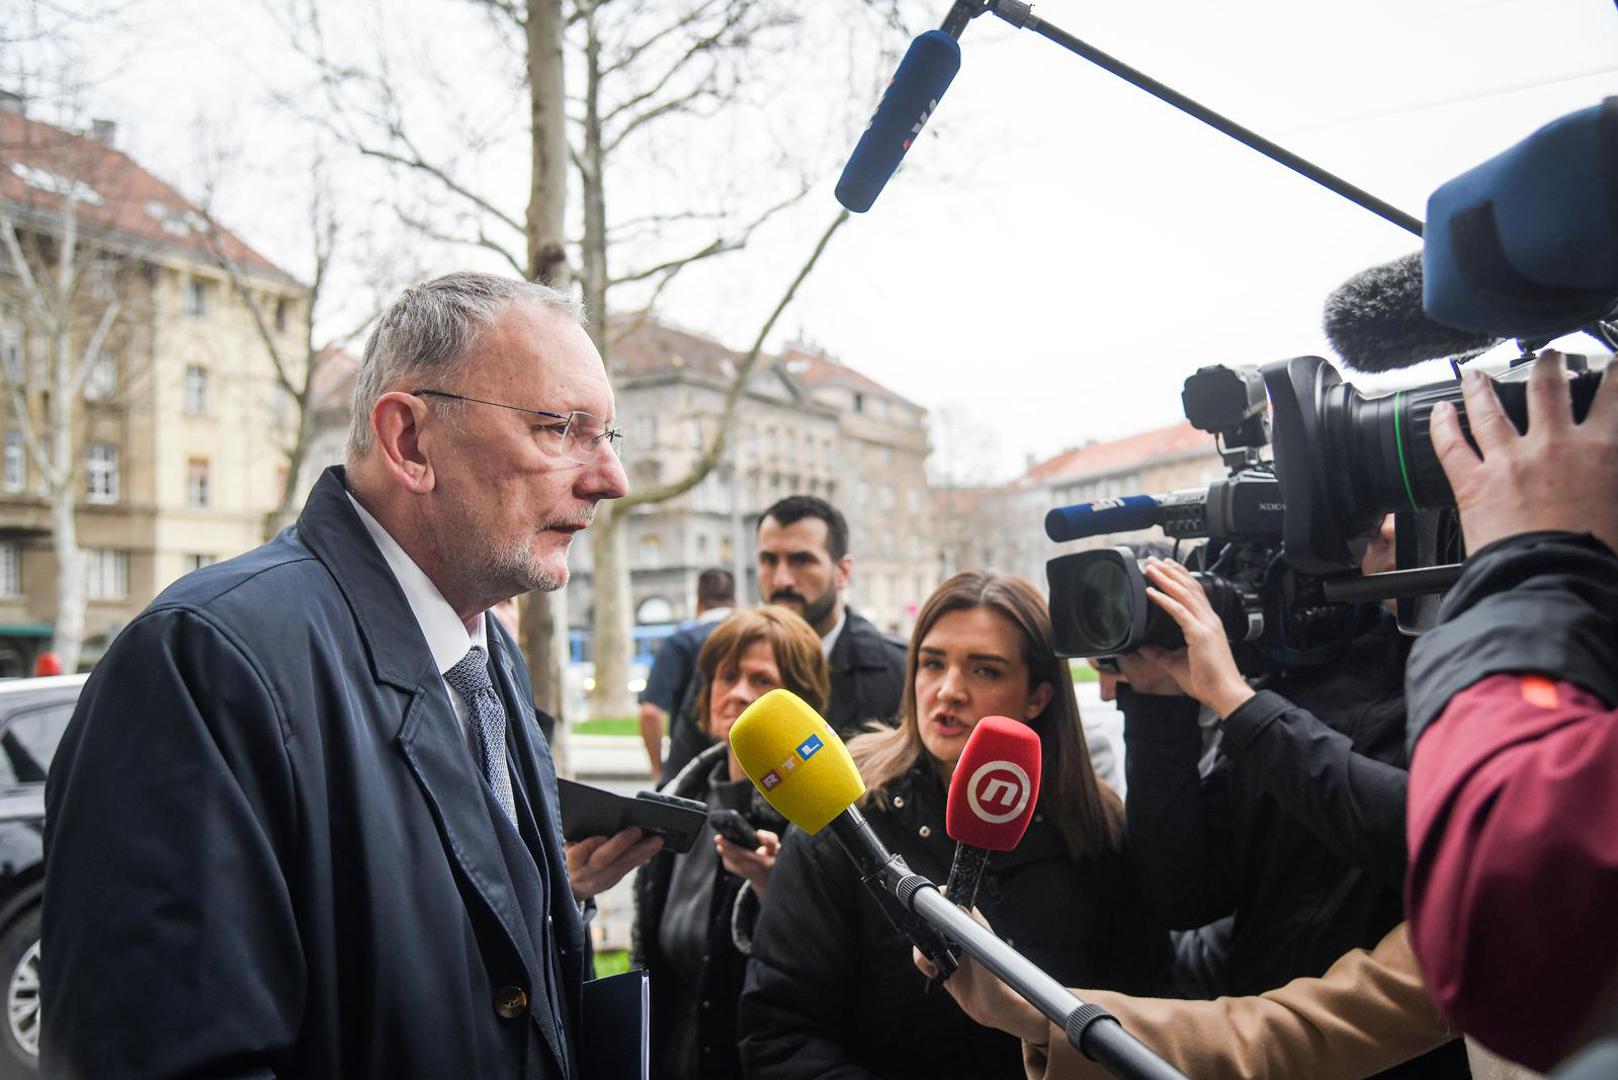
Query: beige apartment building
(180,428)
(805,424)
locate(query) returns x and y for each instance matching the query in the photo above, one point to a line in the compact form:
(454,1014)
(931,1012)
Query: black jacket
(1297,830)
(694,993)
(832,992)
(867,676)
(268,851)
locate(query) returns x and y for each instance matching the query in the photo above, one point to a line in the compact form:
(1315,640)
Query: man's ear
(397,419)
(1037,701)
(843,569)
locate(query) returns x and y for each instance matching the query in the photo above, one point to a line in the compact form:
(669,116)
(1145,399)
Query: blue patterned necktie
(470,679)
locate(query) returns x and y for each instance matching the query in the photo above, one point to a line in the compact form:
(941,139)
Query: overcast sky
(1061,250)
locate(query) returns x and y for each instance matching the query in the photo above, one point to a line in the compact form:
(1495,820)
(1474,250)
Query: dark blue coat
(268,848)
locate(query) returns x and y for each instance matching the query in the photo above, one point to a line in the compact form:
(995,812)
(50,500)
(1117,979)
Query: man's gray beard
(518,569)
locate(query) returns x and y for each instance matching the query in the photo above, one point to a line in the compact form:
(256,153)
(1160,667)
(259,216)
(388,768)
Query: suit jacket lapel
(539,778)
(431,742)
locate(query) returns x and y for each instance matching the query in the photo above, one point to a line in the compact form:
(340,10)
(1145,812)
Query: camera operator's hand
(1205,668)
(1145,676)
(1560,475)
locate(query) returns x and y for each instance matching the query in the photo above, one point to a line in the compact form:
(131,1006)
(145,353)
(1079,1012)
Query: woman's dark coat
(694,993)
(831,990)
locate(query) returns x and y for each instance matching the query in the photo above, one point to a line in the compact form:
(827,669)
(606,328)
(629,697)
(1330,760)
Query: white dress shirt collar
(447,637)
(830,640)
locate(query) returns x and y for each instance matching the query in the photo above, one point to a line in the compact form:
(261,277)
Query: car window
(29,742)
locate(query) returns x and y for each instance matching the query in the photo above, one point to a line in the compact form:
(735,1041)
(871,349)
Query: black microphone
(1375,321)
(923,76)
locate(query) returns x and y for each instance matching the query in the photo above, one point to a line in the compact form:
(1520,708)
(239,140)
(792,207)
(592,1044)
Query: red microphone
(991,799)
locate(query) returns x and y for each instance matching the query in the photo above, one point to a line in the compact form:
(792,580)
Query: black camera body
(1275,615)
(1284,537)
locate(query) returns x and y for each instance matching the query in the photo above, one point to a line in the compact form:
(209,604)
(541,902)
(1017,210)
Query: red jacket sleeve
(1513,886)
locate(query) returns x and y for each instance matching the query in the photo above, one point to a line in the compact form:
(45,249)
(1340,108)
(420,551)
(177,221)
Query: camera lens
(1103,604)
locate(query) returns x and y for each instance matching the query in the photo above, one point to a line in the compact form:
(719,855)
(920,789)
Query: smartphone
(733,827)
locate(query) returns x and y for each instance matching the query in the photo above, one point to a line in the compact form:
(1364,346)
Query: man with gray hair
(303,822)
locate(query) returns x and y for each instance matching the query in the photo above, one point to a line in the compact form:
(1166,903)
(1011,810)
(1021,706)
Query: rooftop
(42,166)
(1121,455)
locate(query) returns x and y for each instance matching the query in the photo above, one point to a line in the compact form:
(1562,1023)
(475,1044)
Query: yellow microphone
(798,762)
(793,756)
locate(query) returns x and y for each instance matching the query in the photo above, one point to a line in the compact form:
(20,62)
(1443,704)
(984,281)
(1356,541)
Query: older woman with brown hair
(694,912)
(831,990)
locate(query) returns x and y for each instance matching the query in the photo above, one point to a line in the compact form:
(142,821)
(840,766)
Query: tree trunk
(544,615)
(68,640)
(612,626)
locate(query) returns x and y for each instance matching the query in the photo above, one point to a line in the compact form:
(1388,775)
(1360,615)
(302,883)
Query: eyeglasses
(577,436)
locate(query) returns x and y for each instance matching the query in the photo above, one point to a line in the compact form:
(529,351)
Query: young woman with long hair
(831,988)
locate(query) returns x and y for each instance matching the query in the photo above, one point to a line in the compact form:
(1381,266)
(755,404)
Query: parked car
(33,715)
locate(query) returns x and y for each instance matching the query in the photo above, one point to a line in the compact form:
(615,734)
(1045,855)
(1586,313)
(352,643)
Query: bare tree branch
(415,161)
(719,246)
(92,348)
(738,385)
(627,57)
(36,298)
(482,240)
(507,8)
(698,49)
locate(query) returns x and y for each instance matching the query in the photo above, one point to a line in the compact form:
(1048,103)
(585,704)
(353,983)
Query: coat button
(898,800)
(925,831)
(510,1002)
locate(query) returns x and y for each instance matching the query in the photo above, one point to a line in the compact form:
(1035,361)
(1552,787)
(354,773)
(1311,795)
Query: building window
(10,568)
(651,551)
(281,309)
(859,402)
(196,390)
(196,297)
(101,381)
(198,560)
(11,352)
(106,574)
(16,468)
(196,482)
(101,473)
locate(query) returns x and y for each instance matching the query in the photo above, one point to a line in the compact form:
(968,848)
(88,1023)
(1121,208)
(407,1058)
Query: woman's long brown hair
(1089,814)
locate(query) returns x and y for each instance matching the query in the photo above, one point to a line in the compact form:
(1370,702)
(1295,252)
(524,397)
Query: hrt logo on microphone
(998,791)
(926,115)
